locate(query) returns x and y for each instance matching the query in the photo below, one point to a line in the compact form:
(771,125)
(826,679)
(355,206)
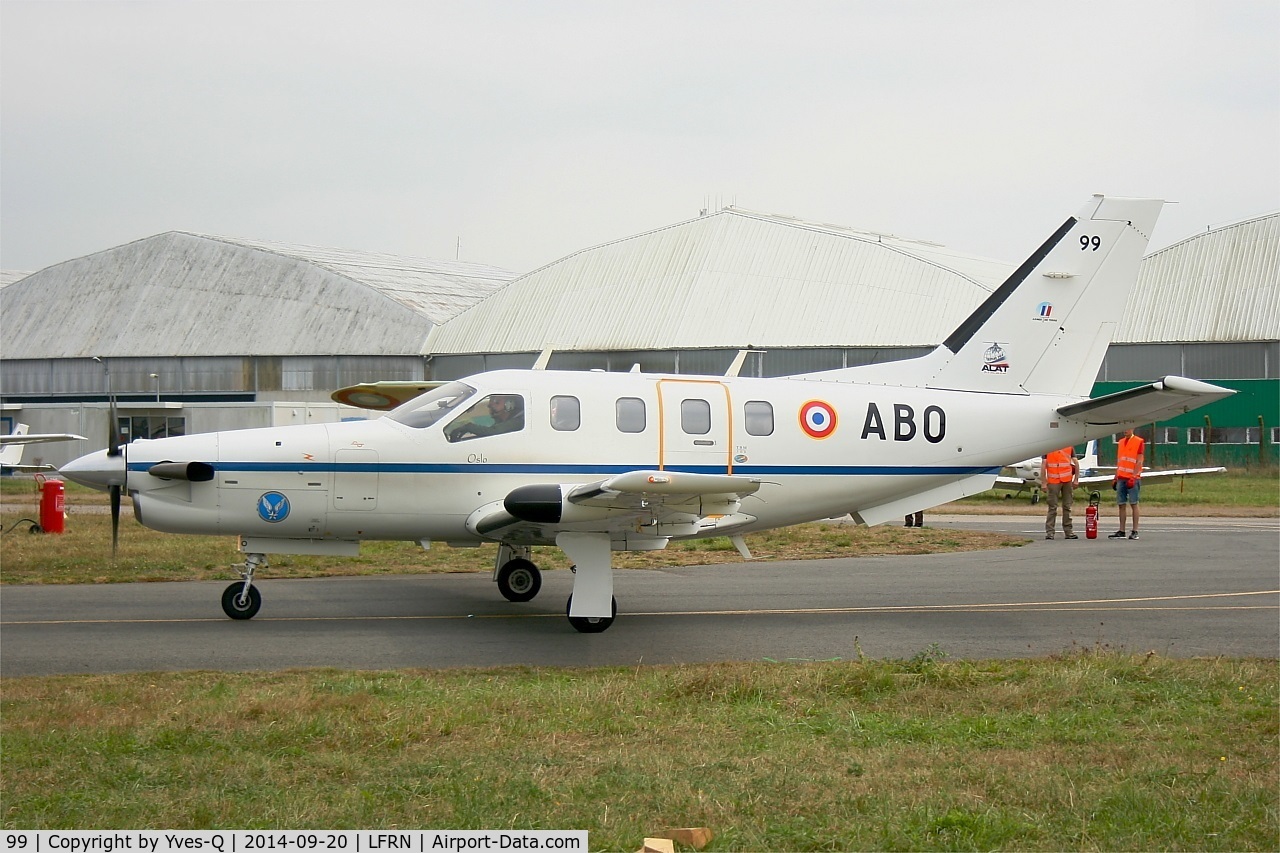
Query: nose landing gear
(242,600)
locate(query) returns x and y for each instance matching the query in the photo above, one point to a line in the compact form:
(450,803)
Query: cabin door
(696,432)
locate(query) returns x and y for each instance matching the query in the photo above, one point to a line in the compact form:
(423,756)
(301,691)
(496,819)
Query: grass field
(1090,750)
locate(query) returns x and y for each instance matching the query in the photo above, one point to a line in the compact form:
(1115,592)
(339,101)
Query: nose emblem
(273,507)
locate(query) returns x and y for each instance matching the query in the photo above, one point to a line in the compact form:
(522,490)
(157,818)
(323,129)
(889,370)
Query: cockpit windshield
(422,412)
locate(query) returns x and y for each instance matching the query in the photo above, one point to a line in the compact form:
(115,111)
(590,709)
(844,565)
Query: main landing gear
(518,579)
(516,574)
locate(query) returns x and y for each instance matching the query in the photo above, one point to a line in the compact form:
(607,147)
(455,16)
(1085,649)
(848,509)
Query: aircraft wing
(1003,480)
(38,437)
(1173,395)
(643,504)
(381,396)
(12,445)
(1148,475)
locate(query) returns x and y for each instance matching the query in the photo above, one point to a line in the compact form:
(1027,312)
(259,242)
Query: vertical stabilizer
(1046,329)
(11,454)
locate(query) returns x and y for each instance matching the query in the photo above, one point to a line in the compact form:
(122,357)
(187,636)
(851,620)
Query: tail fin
(1047,328)
(1089,462)
(11,454)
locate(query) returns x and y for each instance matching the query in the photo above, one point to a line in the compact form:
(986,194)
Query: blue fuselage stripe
(554,471)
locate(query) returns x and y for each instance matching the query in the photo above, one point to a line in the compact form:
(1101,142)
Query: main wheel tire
(519,580)
(239,606)
(588,624)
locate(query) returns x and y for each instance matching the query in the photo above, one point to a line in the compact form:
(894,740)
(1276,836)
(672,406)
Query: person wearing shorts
(1128,481)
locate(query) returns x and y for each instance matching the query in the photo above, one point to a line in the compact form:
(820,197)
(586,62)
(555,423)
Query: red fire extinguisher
(1091,516)
(53,506)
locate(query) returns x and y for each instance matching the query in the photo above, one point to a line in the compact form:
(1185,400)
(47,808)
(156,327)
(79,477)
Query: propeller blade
(113,429)
(115,519)
(113,449)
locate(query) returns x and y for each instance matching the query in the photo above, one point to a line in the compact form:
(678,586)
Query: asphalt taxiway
(1189,587)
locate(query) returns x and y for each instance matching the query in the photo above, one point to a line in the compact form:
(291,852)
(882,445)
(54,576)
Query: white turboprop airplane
(593,462)
(12,445)
(1026,474)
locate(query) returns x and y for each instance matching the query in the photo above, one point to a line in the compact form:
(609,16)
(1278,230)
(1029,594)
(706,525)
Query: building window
(695,417)
(1275,435)
(1232,435)
(759,418)
(1167,435)
(147,426)
(566,413)
(1195,435)
(630,414)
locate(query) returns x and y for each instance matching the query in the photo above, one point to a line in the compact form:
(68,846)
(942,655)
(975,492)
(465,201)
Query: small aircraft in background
(1026,474)
(12,445)
(595,462)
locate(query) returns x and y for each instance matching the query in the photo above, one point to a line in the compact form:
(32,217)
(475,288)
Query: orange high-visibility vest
(1057,466)
(1128,449)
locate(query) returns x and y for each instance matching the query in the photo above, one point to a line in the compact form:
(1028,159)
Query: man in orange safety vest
(1059,476)
(1129,453)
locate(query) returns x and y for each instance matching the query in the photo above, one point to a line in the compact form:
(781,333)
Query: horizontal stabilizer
(1169,397)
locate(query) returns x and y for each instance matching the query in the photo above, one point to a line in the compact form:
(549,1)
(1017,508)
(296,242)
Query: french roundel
(817,419)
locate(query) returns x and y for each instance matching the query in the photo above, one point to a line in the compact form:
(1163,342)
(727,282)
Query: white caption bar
(308,841)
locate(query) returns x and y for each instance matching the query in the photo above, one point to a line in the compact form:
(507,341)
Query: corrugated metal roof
(732,279)
(187,294)
(434,288)
(1220,286)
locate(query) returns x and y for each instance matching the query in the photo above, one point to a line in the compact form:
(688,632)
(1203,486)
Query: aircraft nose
(96,470)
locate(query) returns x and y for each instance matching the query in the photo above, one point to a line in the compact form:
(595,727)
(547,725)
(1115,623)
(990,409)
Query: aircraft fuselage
(821,449)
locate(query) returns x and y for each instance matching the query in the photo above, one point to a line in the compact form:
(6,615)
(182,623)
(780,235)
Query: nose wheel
(242,600)
(241,603)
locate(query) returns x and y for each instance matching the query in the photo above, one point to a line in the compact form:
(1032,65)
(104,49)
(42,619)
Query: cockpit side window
(422,412)
(491,415)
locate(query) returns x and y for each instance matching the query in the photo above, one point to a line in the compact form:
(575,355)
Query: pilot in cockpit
(495,414)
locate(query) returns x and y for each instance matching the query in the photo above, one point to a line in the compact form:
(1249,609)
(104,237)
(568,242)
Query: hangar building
(194,333)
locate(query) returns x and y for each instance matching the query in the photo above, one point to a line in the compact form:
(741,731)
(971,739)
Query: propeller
(114,450)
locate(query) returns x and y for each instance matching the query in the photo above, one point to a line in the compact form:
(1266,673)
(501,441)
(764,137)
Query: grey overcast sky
(530,130)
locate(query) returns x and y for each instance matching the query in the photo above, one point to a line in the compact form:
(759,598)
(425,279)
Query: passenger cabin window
(431,407)
(759,418)
(695,417)
(491,415)
(630,413)
(566,413)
